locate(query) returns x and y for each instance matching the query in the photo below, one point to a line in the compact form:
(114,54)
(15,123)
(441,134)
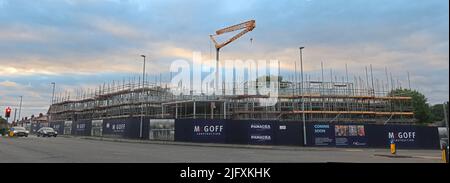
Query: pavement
(71,149)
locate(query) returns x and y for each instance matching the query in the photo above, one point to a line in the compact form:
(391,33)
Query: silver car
(46,132)
(19,131)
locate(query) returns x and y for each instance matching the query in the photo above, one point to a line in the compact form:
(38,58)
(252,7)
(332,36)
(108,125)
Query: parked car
(46,132)
(18,131)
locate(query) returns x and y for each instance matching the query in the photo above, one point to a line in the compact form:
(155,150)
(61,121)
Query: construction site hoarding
(258,132)
(67,128)
(404,136)
(210,131)
(82,127)
(372,135)
(289,133)
(126,127)
(162,129)
(97,128)
(58,126)
(262,132)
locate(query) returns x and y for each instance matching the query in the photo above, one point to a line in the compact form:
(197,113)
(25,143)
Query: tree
(3,123)
(2,120)
(437,112)
(421,108)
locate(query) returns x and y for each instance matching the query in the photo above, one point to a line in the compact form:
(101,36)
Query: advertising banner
(58,126)
(67,128)
(404,136)
(162,129)
(350,135)
(125,127)
(115,127)
(320,134)
(211,131)
(97,128)
(82,127)
(260,132)
(343,135)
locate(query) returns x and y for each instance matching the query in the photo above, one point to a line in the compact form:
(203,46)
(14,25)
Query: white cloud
(8,84)
(115,28)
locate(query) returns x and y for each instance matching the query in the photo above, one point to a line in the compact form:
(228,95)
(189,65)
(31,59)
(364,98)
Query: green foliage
(3,123)
(421,108)
(437,112)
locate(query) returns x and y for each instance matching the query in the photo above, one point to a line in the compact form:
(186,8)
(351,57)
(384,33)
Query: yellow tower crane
(246,26)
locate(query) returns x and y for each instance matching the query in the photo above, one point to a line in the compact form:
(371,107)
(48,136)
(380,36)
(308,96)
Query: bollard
(393,148)
(444,149)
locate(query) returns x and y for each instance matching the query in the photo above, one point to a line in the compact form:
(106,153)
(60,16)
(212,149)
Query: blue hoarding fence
(58,126)
(288,133)
(371,135)
(209,131)
(404,136)
(125,127)
(339,135)
(82,127)
(262,132)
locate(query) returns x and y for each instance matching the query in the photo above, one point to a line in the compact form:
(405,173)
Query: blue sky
(85,43)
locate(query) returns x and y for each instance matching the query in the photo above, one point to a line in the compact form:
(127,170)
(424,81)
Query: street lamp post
(446,122)
(302,96)
(20,107)
(15,111)
(53,92)
(142,100)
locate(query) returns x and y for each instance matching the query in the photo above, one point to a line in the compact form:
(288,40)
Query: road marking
(428,157)
(354,150)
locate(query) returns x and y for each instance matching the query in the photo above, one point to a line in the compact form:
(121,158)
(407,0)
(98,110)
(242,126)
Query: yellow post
(393,149)
(444,156)
(11,133)
(444,153)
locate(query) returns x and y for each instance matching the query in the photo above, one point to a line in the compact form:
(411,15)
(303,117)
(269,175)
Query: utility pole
(303,101)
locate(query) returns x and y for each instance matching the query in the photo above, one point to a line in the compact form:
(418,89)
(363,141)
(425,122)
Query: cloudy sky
(84,43)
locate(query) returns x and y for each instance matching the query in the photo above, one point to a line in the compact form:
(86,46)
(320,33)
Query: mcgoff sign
(405,136)
(208,130)
(212,131)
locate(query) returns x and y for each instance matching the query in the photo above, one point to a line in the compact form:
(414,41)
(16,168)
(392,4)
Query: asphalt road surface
(77,150)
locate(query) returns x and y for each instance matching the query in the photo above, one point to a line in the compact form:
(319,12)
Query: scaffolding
(324,102)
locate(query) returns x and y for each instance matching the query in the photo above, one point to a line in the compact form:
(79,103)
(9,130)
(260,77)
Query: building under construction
(316,102)
(309,101)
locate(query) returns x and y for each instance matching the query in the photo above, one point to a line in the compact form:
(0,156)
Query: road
(77,150)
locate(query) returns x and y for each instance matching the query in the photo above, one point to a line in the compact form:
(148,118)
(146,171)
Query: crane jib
(247,26)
